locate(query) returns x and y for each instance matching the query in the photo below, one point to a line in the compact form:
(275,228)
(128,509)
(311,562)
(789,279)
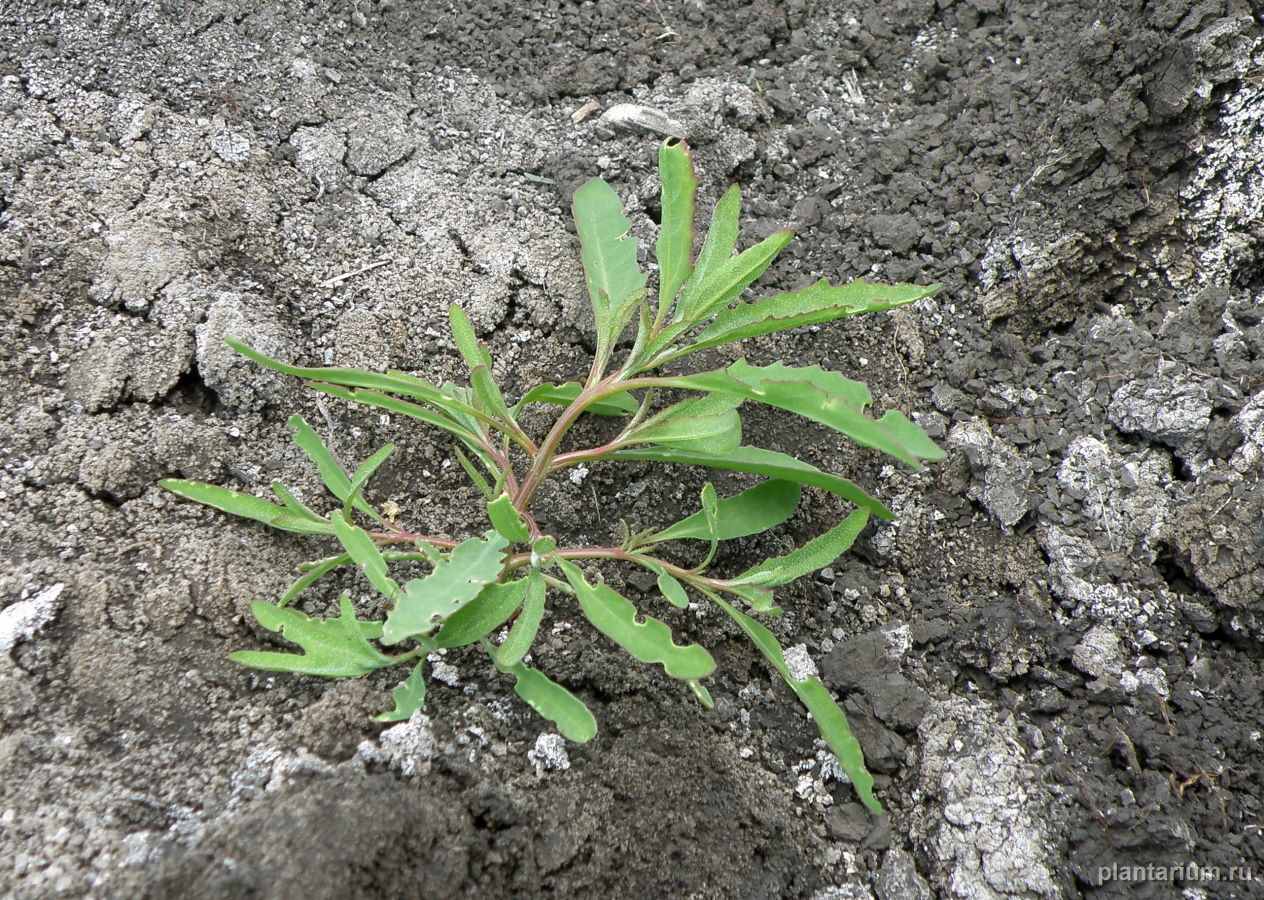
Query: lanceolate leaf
(463,412)
(409,696)
(293,504)
(822,396)
(760,462)
(821,302)
(754,510)
(608,253)
(391,382)
(467,343)
(674,591)
(506,520)
(488,611)
(475,475)
(674,249)
(816,554)
(716,249)
(330,471)
(710,512)
(486,391)
(246,505)
(395,405)
(363,473)
(455,581)
(311,576)
(522,634)
(564,394)
(487,395)
(734,275)
(829,717)
(760,599)
(365,554)
(708,424)
(335,648)
(649,641)
(914,439)
(551,700)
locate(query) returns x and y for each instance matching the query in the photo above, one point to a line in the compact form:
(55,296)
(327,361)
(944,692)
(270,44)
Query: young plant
(508,573)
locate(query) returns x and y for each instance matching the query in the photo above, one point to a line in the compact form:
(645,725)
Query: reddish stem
(400,536)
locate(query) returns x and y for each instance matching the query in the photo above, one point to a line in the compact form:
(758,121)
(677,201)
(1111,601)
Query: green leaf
(452,402)
(395,405)
(492,607)
(565,394)
(760,462)
(552,701)
(717,248)
(522,635)
(426,602)
(816,554)
(365,554)
(674,591)
(488,397)
(487,394)
(761,599)
(293,503)
(330,471)
(710,512)
(822,396)
(674,249)
(830,719)
(475,475)
(507,520)
(391,383)
(820,302)
(311,576)
(467,343)
(463,412)
(541,547)
(247,506)
(754,510)
(409,696)
(910,435)
(363,473)
(733,276)
(335,648)
(608,252)
(650,641)
(708,424)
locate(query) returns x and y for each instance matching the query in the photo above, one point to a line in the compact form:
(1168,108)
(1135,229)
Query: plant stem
(400,536)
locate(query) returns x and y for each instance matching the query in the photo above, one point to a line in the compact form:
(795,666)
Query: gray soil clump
(1052,656)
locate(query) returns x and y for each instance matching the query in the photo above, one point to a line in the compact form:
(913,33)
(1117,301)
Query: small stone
(898,878)
(407,747)
(848,822)
(1098,653)
(549,754)
(643,581)
(1170,405)
(634,117)
(800,663)
(228,145)
(26,618)
(1002,477)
